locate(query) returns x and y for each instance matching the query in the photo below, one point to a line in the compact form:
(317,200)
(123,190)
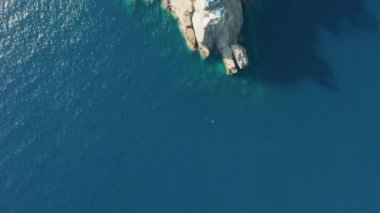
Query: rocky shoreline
(212,26)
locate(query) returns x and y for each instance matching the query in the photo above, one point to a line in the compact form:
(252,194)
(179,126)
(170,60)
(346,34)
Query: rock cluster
(212,25)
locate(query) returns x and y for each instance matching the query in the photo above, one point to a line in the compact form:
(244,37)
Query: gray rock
(212,26)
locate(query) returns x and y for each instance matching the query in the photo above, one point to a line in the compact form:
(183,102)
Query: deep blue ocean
(104,109)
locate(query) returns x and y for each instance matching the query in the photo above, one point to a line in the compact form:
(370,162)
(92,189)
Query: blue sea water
(103,109)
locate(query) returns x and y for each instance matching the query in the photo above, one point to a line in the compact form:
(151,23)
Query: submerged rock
(212,26)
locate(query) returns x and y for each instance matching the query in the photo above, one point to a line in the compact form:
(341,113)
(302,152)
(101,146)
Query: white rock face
(212,26)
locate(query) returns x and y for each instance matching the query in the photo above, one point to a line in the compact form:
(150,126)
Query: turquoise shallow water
(103,109)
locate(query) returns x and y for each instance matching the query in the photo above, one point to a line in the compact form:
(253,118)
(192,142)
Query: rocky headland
(212,26)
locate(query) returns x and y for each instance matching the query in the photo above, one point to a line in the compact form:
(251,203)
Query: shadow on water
(285,37)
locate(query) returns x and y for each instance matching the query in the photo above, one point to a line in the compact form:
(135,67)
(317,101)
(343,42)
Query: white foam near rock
(240,55)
